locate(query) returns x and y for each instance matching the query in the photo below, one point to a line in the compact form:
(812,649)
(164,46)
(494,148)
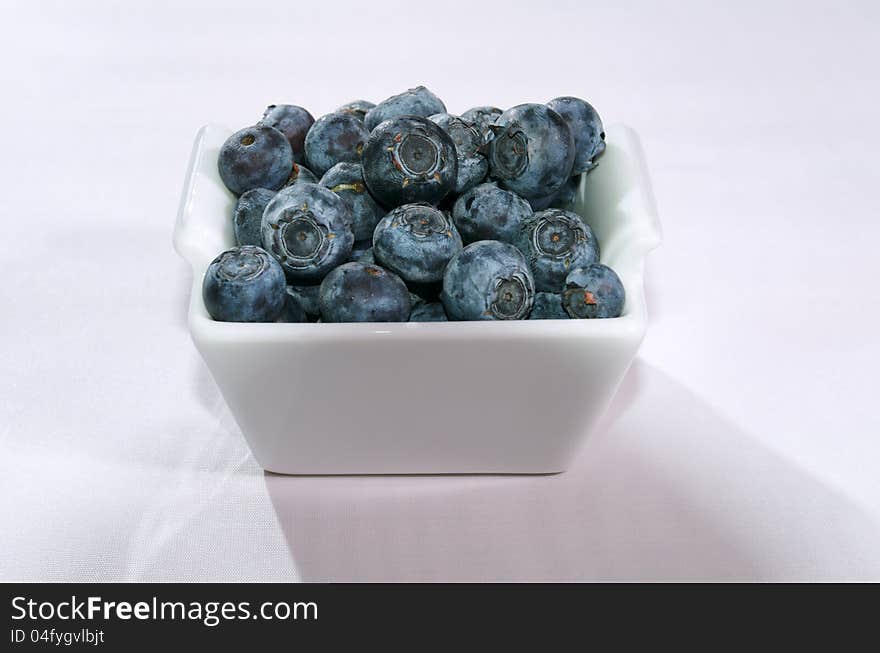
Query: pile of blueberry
(401,211)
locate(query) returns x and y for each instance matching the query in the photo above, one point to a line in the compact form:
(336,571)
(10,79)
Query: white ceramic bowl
(424,398)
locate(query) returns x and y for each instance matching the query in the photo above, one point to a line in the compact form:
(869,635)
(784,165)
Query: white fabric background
(743,444)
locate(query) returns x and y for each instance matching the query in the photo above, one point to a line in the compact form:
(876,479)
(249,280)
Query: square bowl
(433,397)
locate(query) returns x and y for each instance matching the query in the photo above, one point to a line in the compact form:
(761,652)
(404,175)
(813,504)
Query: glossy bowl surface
(424,398)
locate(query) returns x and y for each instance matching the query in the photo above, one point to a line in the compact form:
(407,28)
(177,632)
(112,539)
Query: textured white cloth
(743,444)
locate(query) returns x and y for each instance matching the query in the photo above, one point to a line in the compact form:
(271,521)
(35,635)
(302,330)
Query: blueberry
(471,171)
(347,181)
(255,157)
(428,312)
(428,292)
(293,308)
(488,280)
(409,159)
(554,242)
(586,128)
(414,299)
(594,291)
(367,257)
(307,297)
(355,292)
(472,165)
(488,212)
(292,121)
(357,108)
(465,136)
(563,197)
(481,118)
(308,229)
(533,150)
(333,138)
(244,284)
(541,203)
(416,241)
(300,174)
(417,101)
(548,306)
(360,249)
(567,193)
(248,214)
